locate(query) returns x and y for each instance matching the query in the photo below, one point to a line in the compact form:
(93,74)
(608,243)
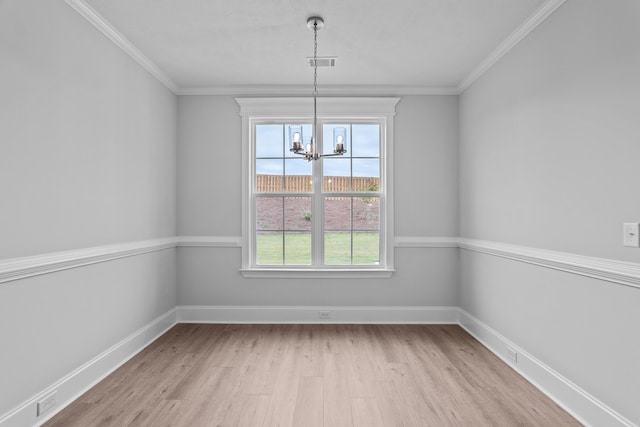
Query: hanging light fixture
(310,151)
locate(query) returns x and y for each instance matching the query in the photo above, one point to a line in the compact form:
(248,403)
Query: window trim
(260,110)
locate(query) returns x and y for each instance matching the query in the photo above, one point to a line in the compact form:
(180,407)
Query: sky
(362,144)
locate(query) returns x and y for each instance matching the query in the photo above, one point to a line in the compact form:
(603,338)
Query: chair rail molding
(613,271)
(620,272)
(425,242)
(20,268)
(209,241)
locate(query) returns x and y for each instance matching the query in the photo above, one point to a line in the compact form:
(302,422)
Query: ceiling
(218,45)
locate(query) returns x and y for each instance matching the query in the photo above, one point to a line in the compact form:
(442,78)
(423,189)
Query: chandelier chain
(315,58)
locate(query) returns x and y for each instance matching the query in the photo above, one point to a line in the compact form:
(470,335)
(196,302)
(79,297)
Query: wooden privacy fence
(302,183)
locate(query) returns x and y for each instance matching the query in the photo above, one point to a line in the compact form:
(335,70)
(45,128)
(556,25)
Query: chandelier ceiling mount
(296,143)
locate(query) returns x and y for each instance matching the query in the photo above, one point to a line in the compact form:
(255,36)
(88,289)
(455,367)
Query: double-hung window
(329,217)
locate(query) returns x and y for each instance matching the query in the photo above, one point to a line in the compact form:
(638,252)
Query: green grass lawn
(337,246)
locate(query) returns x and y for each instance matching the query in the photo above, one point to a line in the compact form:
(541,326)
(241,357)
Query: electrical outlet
(324,315)
(512,354)
(631,236)
(47,403)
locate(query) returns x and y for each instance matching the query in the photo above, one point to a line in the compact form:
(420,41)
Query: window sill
(298,273)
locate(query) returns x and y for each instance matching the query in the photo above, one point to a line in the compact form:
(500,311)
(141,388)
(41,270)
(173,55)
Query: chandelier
(296,145)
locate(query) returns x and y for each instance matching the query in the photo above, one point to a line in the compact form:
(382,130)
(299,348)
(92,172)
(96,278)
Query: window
(329,217)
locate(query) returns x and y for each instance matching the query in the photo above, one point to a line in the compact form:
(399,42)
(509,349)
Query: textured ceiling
(230,43)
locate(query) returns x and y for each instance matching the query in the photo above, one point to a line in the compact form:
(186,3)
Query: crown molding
(513,39)
(330,90)
(122,42)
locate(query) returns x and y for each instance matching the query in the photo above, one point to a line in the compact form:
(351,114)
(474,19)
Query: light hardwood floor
(314,375)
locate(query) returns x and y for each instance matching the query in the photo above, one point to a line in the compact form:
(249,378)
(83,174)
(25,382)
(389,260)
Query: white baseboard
(289,314)
(580,404)
(86,376)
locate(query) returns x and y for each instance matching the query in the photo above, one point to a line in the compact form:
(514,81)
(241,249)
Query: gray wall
(540,152)
(87,158)
(209,190)
(549,145)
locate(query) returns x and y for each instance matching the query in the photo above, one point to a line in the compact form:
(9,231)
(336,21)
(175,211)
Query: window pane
(337,213)
(366,175)
(269,213)
(328,138)
(298,235)
(298,176)
(297,213)
(366,213)
(337,174)
(269,248)
(297,248)
(352,226)
(269,140)
(269,176)
(366,140)
(305,139)
(337,247)
(286,206)
(366,248)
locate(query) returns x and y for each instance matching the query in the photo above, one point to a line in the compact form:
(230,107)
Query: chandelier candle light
(310,152)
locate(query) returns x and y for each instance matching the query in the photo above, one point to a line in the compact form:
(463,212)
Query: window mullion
(317,205)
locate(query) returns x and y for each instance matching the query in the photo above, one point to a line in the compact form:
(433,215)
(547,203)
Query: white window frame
(291,110)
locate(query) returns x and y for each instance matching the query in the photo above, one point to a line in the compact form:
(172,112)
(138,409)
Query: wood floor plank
(282,406)
(314,375)
(366,412)
(336,396)
(310,403)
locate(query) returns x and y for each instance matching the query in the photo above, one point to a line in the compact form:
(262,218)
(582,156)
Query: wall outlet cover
(631,234)
(46,403)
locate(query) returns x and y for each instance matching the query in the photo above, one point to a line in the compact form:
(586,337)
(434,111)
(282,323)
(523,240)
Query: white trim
(514,38)
(576,401)
(613,271)
(620,272)
(73,385)
(306,273)
(303,90)
(353,107)
(310,314)
(209,241)
(425,242)
(122,42)
(20,268)
(256,110)
(580,404)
